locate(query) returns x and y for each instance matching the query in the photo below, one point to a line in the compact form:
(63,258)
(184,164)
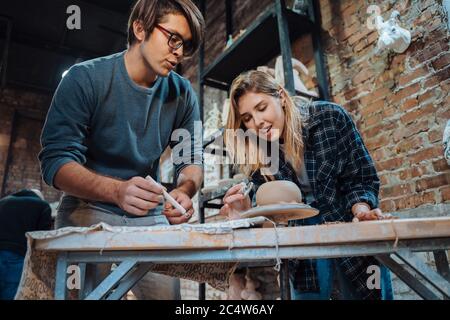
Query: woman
(322,152)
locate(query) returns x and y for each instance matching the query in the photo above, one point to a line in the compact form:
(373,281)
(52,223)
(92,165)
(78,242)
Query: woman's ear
(139,31)
(282,97)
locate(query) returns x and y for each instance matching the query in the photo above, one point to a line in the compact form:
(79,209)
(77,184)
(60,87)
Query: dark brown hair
(151,12)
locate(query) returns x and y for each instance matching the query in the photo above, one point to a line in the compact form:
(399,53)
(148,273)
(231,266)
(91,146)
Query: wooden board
(360,232)
(282,213)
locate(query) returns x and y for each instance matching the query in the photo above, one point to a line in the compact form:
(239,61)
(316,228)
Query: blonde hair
(261,82)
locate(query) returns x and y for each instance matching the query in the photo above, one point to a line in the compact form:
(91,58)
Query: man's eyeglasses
(176,42)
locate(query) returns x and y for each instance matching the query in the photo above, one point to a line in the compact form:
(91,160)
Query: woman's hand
(235,203)
(362,212)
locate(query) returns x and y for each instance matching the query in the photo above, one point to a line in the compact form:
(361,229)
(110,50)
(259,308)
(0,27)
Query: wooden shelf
(259,44)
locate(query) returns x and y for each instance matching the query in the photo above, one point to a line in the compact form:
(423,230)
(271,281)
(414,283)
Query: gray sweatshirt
(103,120)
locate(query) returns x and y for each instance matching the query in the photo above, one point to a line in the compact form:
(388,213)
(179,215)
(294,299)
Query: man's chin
(164,72)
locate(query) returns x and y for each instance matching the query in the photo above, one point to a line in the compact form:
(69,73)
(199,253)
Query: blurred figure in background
(20,212)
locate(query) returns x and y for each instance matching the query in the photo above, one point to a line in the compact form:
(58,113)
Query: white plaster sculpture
(298,69)
(391,35)
(446,142)
(225,110)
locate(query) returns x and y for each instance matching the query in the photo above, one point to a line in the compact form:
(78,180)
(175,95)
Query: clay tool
(246,188)
(169,198)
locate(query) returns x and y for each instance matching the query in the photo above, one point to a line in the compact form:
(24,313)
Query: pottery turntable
(280,202)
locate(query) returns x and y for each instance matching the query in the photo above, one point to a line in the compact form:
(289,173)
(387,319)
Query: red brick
(396,191)
(426,154)
(398,59)
(441,62)
(407,78)
(405,174)
(375,143)
(381,128)
(361,45)
(372,108)
(443,114)
(430,94)
(375,95)
(409,144)
(417,114)
(389,112)
(433,182)
(372,37)
(349,94)
(435,135)
(372,120)
(362,76)
(405,92)
(351,106)
(357,36)
(409,104)
(437,78)
(379,154)
(425,198)
(387,206)
(431,51)
(445,193)
(418,171)
(414,201)
(445,86)
(390,164)
(344,33)
(415,128)
(384,179)
(441,165)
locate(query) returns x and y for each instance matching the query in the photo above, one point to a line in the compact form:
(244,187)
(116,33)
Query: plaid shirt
(341,173)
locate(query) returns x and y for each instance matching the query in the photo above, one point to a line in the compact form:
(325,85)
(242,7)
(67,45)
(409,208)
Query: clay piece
(250,293)
(277,192)
(237,285)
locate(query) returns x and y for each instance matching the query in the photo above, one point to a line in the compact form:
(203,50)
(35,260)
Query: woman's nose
(259,122)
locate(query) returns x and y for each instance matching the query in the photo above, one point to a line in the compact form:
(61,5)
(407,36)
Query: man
(20,212)
(110,120)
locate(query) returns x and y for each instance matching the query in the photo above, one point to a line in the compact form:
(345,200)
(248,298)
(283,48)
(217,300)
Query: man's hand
(138,195)
(174,215)
(362,212)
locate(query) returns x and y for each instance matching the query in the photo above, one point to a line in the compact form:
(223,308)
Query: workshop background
(399,101)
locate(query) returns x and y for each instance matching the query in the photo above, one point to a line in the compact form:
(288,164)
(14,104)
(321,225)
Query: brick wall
(22,115)
(400,102)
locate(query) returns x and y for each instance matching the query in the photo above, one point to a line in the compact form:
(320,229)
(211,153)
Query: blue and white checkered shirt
(341,173)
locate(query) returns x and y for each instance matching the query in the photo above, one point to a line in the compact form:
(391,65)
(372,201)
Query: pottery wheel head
(277,192)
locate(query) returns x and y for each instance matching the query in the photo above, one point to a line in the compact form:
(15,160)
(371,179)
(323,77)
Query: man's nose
(178,52)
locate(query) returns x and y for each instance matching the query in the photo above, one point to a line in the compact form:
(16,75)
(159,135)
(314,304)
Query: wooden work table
(390,241)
